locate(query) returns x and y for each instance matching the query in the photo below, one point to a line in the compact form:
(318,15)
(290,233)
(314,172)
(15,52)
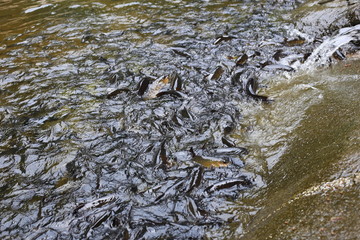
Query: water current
(150,119)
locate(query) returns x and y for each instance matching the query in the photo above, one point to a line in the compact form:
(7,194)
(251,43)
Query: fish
(184,112)
(153,88)
(172,93)
(229,183)
(178,121)
(235,78)
(266,63)
(171,190)
(338,55)
(103,60)
(223,38)
(193,209)
(117,92)
(279,54)
(161,158)
(278,67)
(208,162)
(231,151)
(195,179)
(144,85)
(181,53)
(175,82)
(294,42)
(240,61)
(95,204)
(150,88)
(227,142)
(324,2)
(251,88)
(217,73)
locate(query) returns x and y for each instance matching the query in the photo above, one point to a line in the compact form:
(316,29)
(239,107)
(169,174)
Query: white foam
(325,50)
(37,8)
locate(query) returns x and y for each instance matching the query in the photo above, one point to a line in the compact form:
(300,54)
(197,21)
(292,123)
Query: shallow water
(81,160)
(314,187)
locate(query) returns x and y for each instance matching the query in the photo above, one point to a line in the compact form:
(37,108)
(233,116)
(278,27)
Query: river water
(85,154)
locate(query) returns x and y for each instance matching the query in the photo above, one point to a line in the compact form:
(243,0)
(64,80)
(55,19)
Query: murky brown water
(313,188)
(84,156)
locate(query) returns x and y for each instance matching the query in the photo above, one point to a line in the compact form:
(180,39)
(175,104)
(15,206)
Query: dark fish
(137,233)
(177,120)
(117,92)
(149,148)
(88,37)
(156,87)
(306,56)
(242,60)
(278,67)
(251,88)
(116,76)
(279,54)
(181,53)
(144,85)
(170,191)
(95,204)
(230,183)
(256,53)
(40,210)
(338,55)
(185,113)
(223,38)
(100,220)
(235,78)
(228,129)
(172,93)
(227,142)
(324,2)
(264,64)
(161,157)
(196,177)
(175,81)
(103,60)
(356,42)
(192,208)
(217,73)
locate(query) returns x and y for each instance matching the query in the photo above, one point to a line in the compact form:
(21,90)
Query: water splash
(324,51)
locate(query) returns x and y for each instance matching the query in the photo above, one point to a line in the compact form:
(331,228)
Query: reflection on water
(78,161)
